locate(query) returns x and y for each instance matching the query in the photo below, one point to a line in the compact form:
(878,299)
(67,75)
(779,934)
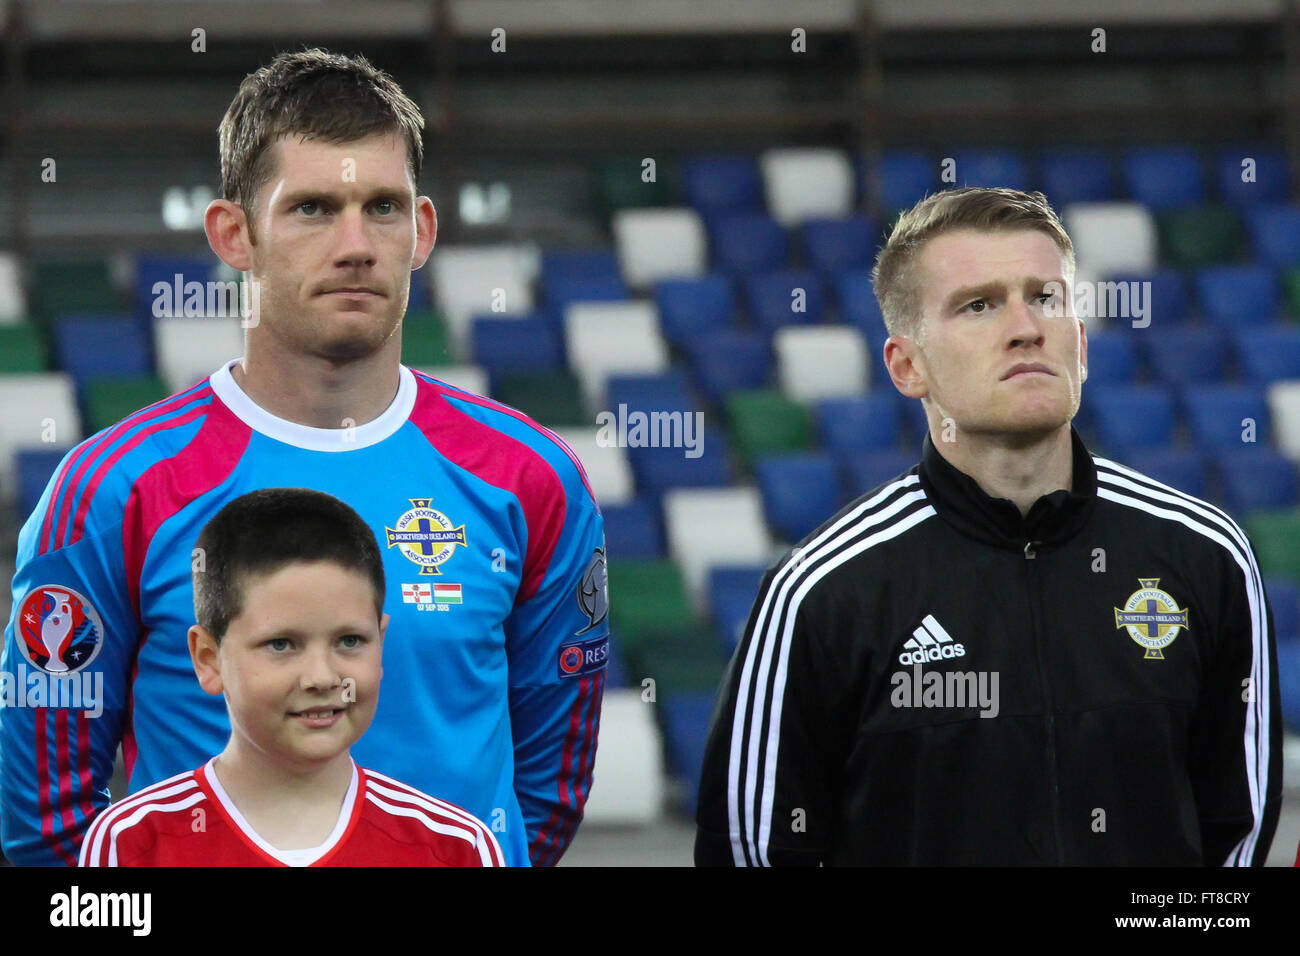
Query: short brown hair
(318,95)
(987,210)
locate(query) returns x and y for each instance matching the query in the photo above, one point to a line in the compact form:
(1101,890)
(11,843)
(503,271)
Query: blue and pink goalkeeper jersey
(494,657)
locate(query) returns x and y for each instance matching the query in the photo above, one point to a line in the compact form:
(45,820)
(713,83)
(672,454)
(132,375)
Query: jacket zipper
(1054,790)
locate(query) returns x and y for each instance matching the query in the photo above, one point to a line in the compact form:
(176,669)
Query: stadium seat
(1130,416)
(664,392)
(1112,359)
(1263,180)
(1112,237)
(1275,234)
(92,347)
(1074,176)
(831,245)
(764,420)
(722,184)
(690,309)
(727,361)
(552,398)
(656,244)
(1183,468)
(747,244)
(685,716)
(865,471)
(84,285)
(1284,404)
(732,591)
(632,530)
(608,471)
(1284,602)
(13,304)
(916,426)
(425,340)
(1218,415)
(807,183)
(1180,356)
(1257,478)
(1199,236)
(562,291)
(156,280)
(824,362)
(902,178)
(466,376)
(1270,353)
(785,297)
(473,280)
(34,467)
(991,167)
(503,345)
(680,662)
(607,338)
(1231,296)
(21,349)
(40,412)
(712,526)
(800,490)
(1274,534)
(858,423)
(108,401)
(629,763)
(621,184)
(657,470)
(856,299)
(192,349)
(647,597)
(1163,177)
(1288,679)
(1163,294)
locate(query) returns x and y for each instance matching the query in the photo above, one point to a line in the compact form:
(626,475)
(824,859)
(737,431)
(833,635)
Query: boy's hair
(986,210)
(316,94)
(261,532)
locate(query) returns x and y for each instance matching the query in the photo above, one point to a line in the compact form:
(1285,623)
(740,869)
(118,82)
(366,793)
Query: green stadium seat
(764,421)
(679,661)
(424,340)
(647,598)
(108,401)
(1276,537)
(1291,292)
(1200,236)
(21,349)
(73,286)
(552,398)
(620,185)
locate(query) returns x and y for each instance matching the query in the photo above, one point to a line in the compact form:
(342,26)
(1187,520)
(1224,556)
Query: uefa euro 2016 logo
(425,536)
(1152,617)
(61,631)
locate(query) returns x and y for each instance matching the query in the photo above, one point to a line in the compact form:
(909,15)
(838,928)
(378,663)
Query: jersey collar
(1054,517)
(306,436)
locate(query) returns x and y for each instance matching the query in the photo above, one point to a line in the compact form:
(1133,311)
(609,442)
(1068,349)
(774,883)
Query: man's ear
(205,655)
(426,231)
(906,366)
(229,233)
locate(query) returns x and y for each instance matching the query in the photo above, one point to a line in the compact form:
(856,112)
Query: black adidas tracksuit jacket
(849,729)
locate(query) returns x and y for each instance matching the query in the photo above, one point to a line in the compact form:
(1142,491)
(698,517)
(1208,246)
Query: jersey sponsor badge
(1152,617)
(593,592)
(587,657)
(425,536)
(61,630)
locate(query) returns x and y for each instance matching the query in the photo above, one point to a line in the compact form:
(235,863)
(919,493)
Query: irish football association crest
(1153,618)
(425,536)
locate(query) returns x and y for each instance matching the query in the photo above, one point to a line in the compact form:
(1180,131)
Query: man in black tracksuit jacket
(939,675)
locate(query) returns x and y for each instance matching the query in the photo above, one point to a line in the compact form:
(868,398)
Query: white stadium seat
(713,526)
(189,349)
(13,307)
(628,779)
(1284,407)
(472,378)
(1112,237)
(656,244)
(821,361)
(481,280)
(807,184)
(40,411)
(611,338)
(606,465)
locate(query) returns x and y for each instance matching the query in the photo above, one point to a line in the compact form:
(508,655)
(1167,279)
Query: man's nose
(354,243)
(1025,325)
(319,672)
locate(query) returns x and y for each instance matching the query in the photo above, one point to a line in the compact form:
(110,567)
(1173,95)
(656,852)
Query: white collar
(307,436)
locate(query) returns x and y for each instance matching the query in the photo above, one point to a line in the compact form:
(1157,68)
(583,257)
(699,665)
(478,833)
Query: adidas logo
(930,642)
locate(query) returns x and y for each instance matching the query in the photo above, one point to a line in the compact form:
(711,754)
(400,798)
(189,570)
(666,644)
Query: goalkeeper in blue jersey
(494,544)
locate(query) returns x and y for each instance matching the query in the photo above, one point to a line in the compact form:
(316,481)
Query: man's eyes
(311,207)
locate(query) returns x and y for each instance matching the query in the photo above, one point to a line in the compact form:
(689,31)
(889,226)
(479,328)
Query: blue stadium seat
(834,244)
(692,308)
(528,343)
(33,468)
(633,531)
(91,347)
(1269,354)
(658,469)
(566,264)
(915,425)
(1164,176)
(726,361)
(1215,414)
(1192,354)
(1112,359)
(904,178)
(562,290)
(1271,181)
(722,183)
(1284,602)
(747,243)
(665,392)
(1165,294)
(615,668)
(867,470)
(1231,296)
(992,167)
(1126,417)
(856,299)
(153,269)
(686,716)
(1288,680)
(1257,478)
(1275,234)
(861,423)
(732,590)
(771,298)
(799,491)
(1076,175)
(1183,468)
